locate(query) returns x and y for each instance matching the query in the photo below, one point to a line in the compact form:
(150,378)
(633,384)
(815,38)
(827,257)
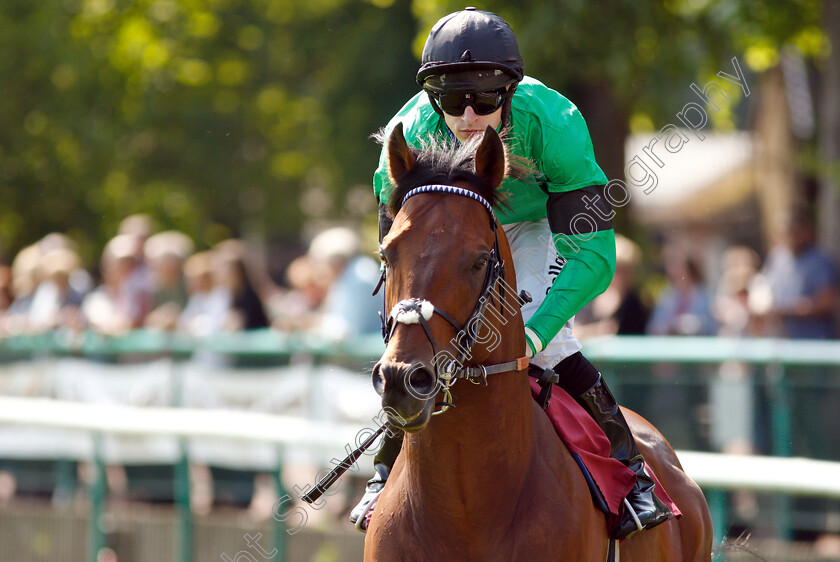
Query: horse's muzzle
(407,392)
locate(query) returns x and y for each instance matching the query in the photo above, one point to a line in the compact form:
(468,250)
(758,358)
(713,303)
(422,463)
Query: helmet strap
(434,105)
(506,106)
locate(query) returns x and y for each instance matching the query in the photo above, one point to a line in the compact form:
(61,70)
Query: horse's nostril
(378,380)
(418,381)
(421,382)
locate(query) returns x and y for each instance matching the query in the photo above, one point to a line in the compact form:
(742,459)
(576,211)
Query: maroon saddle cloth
(585,439)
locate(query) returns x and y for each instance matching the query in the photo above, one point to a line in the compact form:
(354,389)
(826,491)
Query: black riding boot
(382,464)
(643,509)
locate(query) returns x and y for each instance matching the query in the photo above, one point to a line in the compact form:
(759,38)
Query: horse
(489,479)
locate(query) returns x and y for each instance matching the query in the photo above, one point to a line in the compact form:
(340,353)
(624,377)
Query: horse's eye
(382,257)
(481,263)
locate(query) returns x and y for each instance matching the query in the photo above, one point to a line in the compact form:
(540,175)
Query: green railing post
(718,506)
(781,438)
(280,534)
(97,492)
(182,502)
(183,507)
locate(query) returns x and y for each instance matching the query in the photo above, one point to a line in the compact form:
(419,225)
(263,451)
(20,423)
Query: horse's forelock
(443,162)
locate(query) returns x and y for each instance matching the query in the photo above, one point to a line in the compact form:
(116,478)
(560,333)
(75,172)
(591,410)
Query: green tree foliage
(217,116)
(207,114)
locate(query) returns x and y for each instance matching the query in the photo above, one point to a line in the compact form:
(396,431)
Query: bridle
(420,311)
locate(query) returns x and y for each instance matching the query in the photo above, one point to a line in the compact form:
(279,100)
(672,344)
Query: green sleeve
(589,269)
(560,141)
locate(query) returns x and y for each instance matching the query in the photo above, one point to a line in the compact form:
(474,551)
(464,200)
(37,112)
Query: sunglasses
(455,103)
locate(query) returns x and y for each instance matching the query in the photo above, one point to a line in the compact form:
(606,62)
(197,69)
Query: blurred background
(187,224)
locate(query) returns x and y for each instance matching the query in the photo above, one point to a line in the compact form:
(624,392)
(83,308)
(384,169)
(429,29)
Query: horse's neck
(479,450)
(486,432)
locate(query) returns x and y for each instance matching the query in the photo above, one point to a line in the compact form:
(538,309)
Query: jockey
(559,227)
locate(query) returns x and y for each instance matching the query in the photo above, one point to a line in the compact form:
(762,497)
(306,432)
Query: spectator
(56,303)
(232,280)
(349,308)
(299,307)
(684,307)
(800,284)
(233,303)
(25,279)
(118,304)
(80,280)
(199,317)
(140,282)
(732,302)
(732,397)
(619,309)
(165,253)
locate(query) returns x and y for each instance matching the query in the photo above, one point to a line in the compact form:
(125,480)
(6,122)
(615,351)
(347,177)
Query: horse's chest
(535,533)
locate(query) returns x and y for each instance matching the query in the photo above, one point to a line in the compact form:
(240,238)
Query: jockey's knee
(576,374)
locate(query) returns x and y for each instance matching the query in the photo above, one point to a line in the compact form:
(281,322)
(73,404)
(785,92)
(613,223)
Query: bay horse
(489,479)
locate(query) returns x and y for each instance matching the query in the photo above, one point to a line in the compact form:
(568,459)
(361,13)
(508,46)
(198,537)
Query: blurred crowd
(157,280)
(792,293)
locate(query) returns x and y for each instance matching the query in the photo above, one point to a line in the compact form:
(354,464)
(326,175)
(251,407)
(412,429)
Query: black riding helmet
(471,50)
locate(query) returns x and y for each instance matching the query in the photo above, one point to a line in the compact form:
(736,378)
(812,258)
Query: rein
(419,311)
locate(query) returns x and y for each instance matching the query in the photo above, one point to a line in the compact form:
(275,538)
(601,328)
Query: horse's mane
(445,162)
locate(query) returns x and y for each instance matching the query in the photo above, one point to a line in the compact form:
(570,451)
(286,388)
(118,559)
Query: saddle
(608,479)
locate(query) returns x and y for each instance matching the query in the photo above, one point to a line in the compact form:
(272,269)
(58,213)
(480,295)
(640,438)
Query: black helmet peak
(472,40)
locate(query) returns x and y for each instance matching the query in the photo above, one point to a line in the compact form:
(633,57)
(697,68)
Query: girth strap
(546,378)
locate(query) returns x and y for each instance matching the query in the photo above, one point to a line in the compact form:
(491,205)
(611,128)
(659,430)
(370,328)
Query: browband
(454,190)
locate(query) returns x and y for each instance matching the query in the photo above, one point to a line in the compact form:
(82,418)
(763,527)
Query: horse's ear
(490,158)
(400,157)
